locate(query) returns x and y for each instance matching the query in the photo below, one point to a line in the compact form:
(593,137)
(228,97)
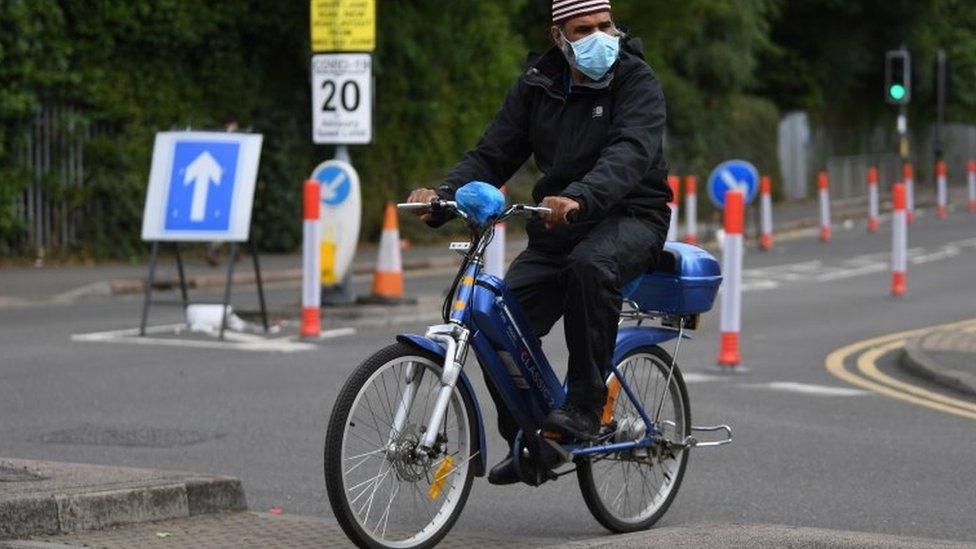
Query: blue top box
(684,282)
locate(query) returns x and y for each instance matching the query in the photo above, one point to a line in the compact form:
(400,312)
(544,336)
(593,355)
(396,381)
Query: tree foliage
(828,57)
(441,70)
(135,67)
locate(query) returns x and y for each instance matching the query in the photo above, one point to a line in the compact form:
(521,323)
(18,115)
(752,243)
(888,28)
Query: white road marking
(946,252)
(753,285)
(338,332)
(233,340)
(694,377)
(806,388)
(841,274)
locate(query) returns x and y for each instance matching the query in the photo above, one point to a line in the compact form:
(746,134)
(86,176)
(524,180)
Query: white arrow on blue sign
(203,171)
(201,186)
(733,174)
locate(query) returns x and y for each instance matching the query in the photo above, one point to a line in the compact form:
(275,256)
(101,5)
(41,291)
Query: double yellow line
(870,377)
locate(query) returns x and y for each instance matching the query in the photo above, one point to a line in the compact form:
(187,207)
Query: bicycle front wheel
(385,493)
(630,490)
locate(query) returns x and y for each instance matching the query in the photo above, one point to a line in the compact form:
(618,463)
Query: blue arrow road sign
(335,182)
(201,186)
(733,174)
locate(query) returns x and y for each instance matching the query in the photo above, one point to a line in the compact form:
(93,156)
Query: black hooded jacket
(599,143)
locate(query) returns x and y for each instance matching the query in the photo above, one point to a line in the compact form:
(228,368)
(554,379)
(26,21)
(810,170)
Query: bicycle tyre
(584,469)
(333,458)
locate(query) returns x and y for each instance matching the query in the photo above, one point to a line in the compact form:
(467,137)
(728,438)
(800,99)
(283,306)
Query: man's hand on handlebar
(426,196)
(561,208)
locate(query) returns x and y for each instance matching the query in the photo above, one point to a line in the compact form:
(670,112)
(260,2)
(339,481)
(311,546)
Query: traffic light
(898,77)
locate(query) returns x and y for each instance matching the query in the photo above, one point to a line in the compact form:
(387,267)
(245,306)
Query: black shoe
(504,473)
(572,420)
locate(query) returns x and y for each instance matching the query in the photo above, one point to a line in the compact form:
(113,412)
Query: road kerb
(917,361)
(866,374)
(74,497)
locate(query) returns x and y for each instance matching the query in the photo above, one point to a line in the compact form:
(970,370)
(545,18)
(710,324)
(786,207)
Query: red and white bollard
(909,175)
(873,199)
(971,181)
(942,195)
(824,184)
(311,273)
(899,239)
(765,213)
(691,209)
(675,183)
(495,254)
(731,316)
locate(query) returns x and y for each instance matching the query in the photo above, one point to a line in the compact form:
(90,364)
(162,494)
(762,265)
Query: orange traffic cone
(388,278)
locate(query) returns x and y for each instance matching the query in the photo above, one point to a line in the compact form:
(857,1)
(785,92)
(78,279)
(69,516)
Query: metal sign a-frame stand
(231,261)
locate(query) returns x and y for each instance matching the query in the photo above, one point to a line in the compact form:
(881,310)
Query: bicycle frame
(486,316)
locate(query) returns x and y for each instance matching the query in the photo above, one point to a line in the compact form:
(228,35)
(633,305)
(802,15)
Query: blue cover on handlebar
(482,201)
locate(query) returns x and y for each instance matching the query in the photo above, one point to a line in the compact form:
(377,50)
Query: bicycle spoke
(367,457)
(385,517)
(633,484)
(369,501)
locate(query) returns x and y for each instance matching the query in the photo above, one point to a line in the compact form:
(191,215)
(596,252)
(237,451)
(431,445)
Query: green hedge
(135,67)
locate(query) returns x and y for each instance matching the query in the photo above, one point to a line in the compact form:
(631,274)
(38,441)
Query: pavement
(264,530)
(833,435)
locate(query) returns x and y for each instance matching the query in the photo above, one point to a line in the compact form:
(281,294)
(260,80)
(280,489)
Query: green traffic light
(897,92)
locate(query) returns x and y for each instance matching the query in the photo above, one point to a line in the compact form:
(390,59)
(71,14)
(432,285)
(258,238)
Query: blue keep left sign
(201,186)
(733,174)
(336,182)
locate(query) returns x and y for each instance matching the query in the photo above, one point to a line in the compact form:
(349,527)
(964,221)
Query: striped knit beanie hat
(563,10)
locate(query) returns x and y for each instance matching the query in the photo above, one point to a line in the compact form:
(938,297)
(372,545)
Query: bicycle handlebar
(436,205)
(420,205)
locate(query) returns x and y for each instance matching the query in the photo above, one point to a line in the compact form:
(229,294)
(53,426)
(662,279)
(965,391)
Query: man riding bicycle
(592,113)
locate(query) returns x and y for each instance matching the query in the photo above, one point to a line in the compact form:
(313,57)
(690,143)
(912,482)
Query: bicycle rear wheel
(383,493)
(630,490)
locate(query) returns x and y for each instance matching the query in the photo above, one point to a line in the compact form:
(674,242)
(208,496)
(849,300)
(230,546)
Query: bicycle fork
(454,337)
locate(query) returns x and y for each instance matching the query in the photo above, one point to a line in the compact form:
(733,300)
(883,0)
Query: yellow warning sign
(343,25)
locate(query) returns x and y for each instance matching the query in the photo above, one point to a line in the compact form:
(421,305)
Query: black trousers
(576,273)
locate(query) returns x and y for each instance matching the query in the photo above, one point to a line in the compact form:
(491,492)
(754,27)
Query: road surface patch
(769,278)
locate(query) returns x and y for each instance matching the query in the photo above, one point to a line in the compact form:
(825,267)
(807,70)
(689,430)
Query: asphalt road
(811,449)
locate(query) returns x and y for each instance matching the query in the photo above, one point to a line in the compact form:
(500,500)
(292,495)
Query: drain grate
(17,474)
(148,437)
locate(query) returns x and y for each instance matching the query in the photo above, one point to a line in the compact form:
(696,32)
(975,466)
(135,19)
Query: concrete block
(94,510)
(26,516)
(214,495)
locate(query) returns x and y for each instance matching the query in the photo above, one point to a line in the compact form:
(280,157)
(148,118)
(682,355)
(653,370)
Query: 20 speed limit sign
(342,99)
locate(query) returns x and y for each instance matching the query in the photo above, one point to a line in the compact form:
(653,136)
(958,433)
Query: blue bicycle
(406,435)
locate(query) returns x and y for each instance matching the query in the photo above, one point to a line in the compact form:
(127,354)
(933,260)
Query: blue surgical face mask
(592,55)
